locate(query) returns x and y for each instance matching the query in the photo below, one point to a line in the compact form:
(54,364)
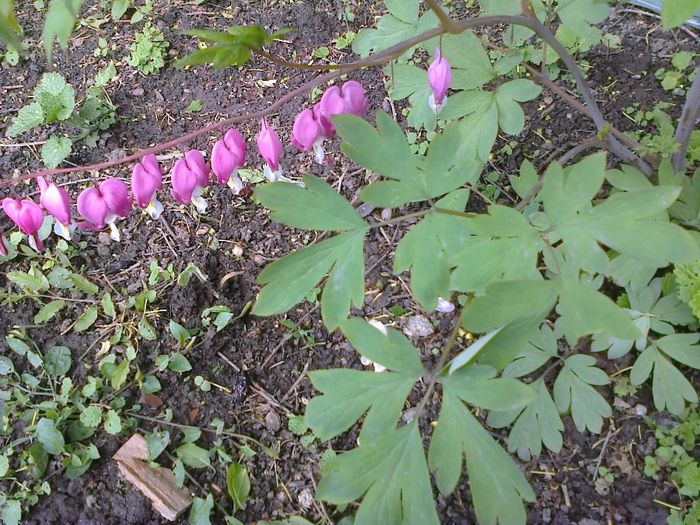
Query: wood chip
(157,484)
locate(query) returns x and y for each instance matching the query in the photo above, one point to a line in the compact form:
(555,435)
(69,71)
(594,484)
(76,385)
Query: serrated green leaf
(497,486)
(55,150)
(48,311)
(55,96)
(27,118)
(91,416)
(573,391)
(390,473)
(316,207)
(86,319)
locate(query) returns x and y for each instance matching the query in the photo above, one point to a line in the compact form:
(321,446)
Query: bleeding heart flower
(56,202)
(190,176)
(270,148)
(444,306)
(146,180)
(104,205)
(366,361)
(227,157)
(3,246)
(440,80)
(308,133)
(27,215)
(350,98)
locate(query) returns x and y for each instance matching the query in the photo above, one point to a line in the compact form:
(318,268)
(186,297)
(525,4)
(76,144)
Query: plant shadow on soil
(151,110)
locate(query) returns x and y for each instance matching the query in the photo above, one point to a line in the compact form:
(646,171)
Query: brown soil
(151,110)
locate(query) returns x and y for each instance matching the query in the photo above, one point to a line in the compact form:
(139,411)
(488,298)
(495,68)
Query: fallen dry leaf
(156,483)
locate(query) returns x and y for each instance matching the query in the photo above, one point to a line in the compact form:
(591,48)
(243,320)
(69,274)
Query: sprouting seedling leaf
(230,48)
(238,484)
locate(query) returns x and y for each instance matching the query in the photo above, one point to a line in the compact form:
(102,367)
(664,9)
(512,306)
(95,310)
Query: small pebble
(104,238)
(305,498)
(137,92)
(272,421)
(640,410)
(418,326)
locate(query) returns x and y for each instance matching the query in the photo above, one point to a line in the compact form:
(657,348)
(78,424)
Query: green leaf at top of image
(238,485)
(60,21)
(317,206)
(119,7)
(55,150)
(676,12)
(50,437)
(86,319)
(390,475)
(10,30)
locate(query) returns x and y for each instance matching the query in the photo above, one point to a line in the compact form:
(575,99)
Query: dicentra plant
(596,259)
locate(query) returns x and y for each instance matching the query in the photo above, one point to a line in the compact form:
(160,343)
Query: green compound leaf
(426,249)
(390,475)
(541,347)
(676,12)
(316,207)
(670,388)
(573,391)
(477,112)
(479,386)
(288,280)
(60,21)
(230,48)
(511,118)
(538,424)
(497,485)
(348,394)
(400,24)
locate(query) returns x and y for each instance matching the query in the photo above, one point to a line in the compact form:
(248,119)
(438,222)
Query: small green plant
(688,280)
(672,79)
(674,457)
(149,51)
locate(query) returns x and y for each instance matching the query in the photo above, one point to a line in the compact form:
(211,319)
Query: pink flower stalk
(350,98)
(56,202)
(146,180)
(270,148)
(440,80)
(104,205)
(190,177)
(308,133)
(4,252)
(27,215)
(227,157)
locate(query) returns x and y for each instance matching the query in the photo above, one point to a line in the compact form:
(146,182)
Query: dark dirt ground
(151,110)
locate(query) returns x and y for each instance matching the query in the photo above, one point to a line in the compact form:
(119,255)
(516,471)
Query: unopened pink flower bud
(27,215)
(146,180)
(227,156)
(270,148)
(56,202)
(190,176)
(440,80)
(102,206)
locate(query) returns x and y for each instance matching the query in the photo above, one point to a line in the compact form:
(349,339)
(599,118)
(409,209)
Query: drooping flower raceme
(270,148)
(227,157)
(190,177)
(350,98)
(27,215)
(440,80)
(56,202)
(102,206)
(146,180)
(308,133)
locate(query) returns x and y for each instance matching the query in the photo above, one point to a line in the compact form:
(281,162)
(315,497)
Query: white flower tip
(444,306)
(378,325)
(154,208)
(437,108)
(62,230)
(199,203)
(318,151)
(235,184)
(114,232)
